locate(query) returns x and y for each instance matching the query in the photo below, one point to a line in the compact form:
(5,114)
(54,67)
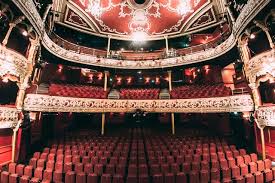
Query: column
(263,142)
(256,95)
(173,123)
(5,41)
(11,26)
(21,92)
(265,29)
(166,44)
(105,80)
(108,45)
(229,12)
(102,123)
(14,137)
(170,80)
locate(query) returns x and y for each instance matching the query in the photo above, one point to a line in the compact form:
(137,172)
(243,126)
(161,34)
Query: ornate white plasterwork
(266,115)
(12,62)
(260,65)
(8,117)
(251,9)
(132,64)
(238,103)
(29,10)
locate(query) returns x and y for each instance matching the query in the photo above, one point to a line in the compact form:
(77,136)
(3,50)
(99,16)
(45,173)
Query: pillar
(230,12)
(263,142)
(105,80)
(11,26)
(166,44)
(46,12)
(108,45)
(102,123)
(173,123)
(5,41)
(265,29)
(21,93)
(256,94)
(14,137)
(170,80)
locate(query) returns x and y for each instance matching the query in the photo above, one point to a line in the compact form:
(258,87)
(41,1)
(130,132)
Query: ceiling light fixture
(184,7)
(139,36)
(252,36)
(94,8)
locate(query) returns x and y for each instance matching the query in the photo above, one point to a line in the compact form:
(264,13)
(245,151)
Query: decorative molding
(8,117)
(238,103)
(12,62)
(266,116)
(132,64)
(260,65)
(251,9)
(29,10)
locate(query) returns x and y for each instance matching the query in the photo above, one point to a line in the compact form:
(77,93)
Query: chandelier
(184,7)
(94,8)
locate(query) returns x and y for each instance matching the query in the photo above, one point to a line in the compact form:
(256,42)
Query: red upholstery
(151,93)
(200,91)
(79,91)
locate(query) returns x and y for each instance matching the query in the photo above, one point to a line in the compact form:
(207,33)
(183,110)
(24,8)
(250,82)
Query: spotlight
(5,80)
(252,36)
(139,72)
(139,36)
(25,33)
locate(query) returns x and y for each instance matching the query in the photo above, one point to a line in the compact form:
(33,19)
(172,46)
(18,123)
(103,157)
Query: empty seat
(70,177)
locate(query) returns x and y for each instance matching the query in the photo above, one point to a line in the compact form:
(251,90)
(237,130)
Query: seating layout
(80,91)
(139,93)
(200,91)
(141,156)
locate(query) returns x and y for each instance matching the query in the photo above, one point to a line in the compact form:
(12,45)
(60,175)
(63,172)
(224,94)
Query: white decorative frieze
(266,116)
(8,117)
(12,62)
(238,103)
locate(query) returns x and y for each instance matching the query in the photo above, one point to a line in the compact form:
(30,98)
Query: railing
(8,117)
(266,115)
(12,62)
(239,103)
(239,91)
(131,55)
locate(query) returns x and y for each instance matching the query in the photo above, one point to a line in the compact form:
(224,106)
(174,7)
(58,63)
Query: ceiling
(130,19)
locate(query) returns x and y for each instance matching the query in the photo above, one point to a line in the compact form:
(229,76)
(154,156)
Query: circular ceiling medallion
(140,4)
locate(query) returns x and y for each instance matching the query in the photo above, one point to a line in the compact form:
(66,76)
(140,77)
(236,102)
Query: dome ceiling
(149,19)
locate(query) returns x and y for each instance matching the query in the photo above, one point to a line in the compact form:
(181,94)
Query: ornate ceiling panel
(154,18)
(238,103)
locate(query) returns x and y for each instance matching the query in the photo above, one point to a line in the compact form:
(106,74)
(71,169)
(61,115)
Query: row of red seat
(200,91)
(139,93)
(80,91)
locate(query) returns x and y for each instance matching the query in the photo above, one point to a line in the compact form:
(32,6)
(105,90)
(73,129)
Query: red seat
(268,176)
(215,174)
(117,178)
(98,169)
(24,179)
(12,168)
(13,178)
(38,173)
(131,179)
(34,180)
(28,170)
(194,177)
(249,178)
(20,169)
(48,175)
(204,176)
(157,178)
(70,177)
(181,177)
(239,179)
(259,177)
(57,176)
(92,178)
(143,178)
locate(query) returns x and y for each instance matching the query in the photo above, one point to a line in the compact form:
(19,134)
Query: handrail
(158,54)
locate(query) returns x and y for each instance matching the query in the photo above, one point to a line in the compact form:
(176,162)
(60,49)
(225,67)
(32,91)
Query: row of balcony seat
(139,93)
(141,157)
(200,91)
(80,91)
(182,92)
